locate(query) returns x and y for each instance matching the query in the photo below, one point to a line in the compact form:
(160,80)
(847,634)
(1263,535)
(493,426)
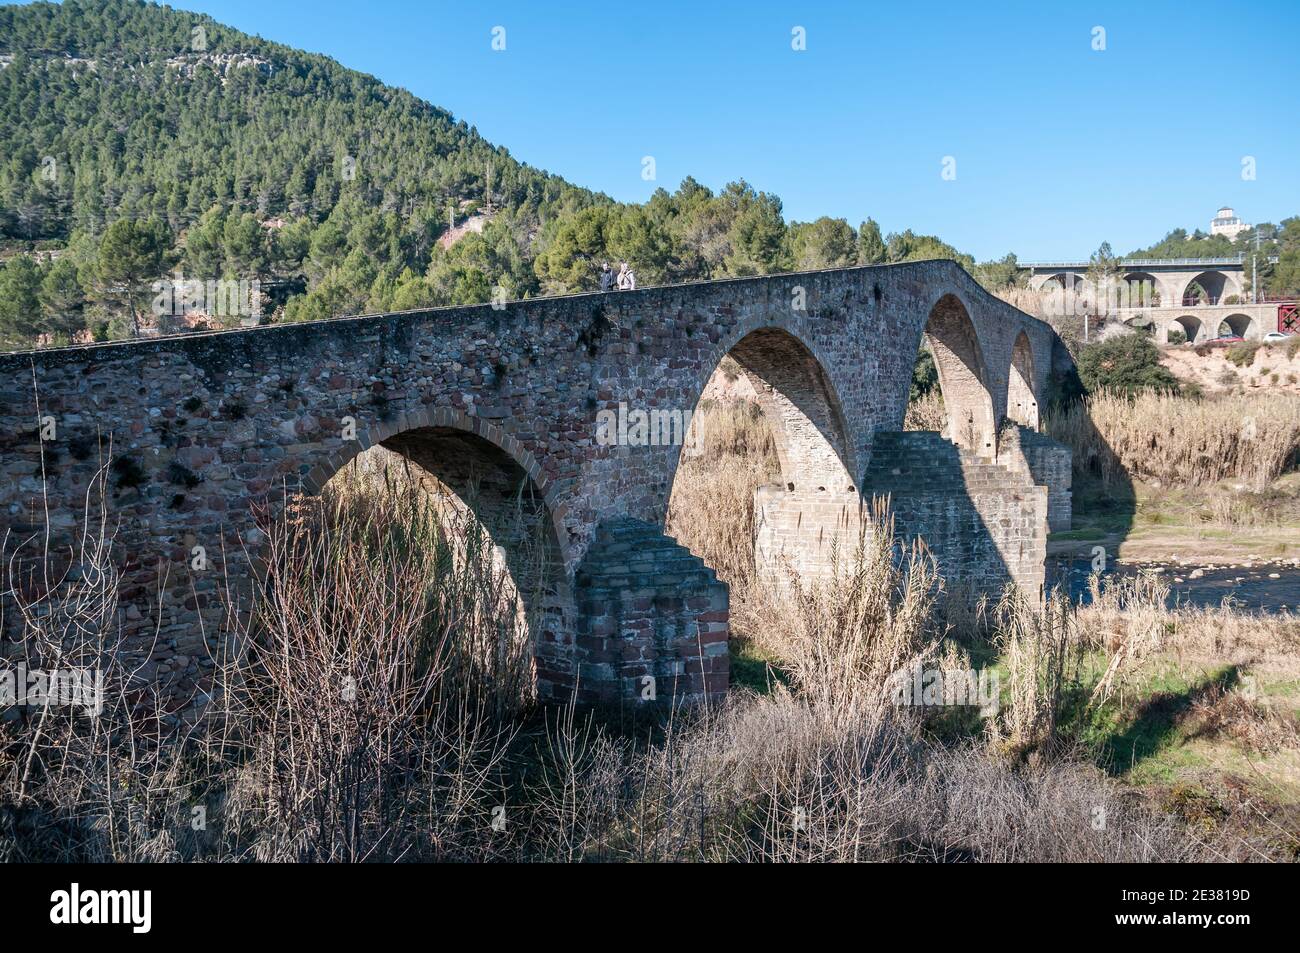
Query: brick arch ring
(986,372)
(800,330)
(374,434)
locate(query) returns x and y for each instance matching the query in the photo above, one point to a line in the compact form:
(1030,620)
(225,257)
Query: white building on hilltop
(1227,223)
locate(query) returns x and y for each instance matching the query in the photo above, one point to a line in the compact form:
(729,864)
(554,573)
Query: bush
(1064,388)
(1129,364)
(1243,354)
(926,413)
(925,377)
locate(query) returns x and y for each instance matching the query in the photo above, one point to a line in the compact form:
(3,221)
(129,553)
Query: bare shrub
(349,721)
(391,508)
(1221,711)
(926,412)
(375,680)
(80,782)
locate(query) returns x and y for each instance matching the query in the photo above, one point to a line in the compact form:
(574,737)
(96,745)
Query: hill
(144,141)
(112,109)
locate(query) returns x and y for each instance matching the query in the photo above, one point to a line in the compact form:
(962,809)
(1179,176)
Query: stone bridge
(206,436)
(1202,323)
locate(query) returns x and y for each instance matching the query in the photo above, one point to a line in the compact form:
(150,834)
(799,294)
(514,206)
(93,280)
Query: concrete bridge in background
(1172,281)
(1195,296)
(1204,322)
(206,437)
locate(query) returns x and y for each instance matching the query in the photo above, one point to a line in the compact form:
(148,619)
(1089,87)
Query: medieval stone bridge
(209,434)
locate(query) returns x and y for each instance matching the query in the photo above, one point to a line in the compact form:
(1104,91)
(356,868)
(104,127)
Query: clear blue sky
(1057,146)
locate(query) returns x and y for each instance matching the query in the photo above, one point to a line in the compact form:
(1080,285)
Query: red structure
(1288,318)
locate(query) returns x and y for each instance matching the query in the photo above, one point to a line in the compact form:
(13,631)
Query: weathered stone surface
(208,433)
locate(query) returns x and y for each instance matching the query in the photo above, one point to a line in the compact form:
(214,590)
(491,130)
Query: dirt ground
(1271,368)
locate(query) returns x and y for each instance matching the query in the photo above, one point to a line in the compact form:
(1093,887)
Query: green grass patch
(754,669)
(1148,725)
(1086,533)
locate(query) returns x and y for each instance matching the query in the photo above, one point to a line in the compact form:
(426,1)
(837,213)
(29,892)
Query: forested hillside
(141,141)
(193,135)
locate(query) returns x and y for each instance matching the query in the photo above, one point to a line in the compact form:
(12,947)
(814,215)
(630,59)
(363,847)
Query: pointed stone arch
(475,468)
(1022,403)
(799,516)
(438,420)
(963,376)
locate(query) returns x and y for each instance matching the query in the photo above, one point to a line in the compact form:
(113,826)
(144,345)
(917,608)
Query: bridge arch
(963,377)
(1143,290)
(1066,281)
(1215,284)
(468,469)
(1190,325)
(1238,324)
(433,422)
(803,506)
(794,389)
(795,392)
(1022,404)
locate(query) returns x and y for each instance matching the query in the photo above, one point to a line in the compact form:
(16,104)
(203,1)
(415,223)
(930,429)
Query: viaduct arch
(218,427)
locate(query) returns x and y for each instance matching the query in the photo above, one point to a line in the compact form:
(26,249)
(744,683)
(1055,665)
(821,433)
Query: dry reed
(1182,441)
(361,720)
(711,511)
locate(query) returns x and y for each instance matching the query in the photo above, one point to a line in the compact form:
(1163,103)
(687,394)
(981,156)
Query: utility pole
(1254,271)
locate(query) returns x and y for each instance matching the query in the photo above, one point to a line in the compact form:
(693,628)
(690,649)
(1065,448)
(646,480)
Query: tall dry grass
(830,768)
(360,720)
(362,713)
(1044,653)
(1182,441)
(1130,620)
(711,511)
(783,779)
(842,640)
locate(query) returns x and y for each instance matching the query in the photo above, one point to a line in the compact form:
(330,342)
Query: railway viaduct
(203,439)
(1173,282)
(1195,297)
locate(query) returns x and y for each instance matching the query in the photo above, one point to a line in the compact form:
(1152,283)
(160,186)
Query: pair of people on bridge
(626,278)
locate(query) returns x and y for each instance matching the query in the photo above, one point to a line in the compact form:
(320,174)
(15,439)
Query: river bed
(1256,587)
